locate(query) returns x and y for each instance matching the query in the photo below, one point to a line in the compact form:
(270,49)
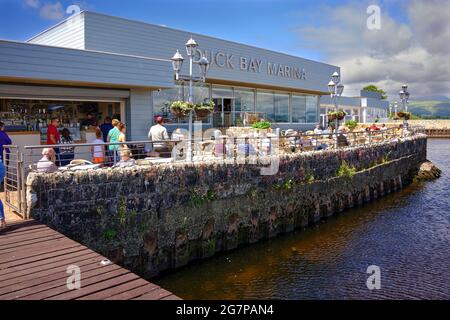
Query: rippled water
(406,234)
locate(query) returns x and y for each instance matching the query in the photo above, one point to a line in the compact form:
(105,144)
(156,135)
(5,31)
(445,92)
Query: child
(98,151)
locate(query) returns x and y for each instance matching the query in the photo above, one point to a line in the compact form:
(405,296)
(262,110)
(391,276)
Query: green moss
(122,211)
(198,200)
(109,234)
(346,171)
(310,178)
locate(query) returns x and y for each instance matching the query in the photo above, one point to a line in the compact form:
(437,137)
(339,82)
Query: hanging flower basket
(404,115)
(202,110)
(336,115)
(180,109)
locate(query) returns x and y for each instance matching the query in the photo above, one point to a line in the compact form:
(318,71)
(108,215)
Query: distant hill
(430,107)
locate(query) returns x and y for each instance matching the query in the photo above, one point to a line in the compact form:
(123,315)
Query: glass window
(311,109)
(164,98)
(299,109)
(265,105)
(281,107)
(222,92)
(162,101)
(244,100)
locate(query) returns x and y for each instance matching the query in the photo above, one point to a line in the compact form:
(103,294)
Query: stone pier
(153,218)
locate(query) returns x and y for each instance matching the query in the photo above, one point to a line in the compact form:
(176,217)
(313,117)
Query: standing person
(2,212)
(105,128)
(113,136)
(66,154)
(98,151)
(4,140)
(122,136)
(159,133)
(53,135)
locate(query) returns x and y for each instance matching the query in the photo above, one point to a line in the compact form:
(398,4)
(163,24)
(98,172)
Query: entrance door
(223,112)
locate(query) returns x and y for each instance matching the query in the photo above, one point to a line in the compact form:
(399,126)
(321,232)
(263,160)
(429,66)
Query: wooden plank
(134,293)
(34,261)
(171,297)
(25,258)
(154,295)
(50,289)
(45,276)
(100,284)
(43,263)
(28,244)
(101,295)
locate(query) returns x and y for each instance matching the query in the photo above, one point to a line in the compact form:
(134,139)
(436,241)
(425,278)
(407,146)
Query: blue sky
(264,23)
(414,33)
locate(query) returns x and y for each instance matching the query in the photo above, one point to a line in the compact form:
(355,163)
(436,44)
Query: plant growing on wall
(346,171)
(262,125)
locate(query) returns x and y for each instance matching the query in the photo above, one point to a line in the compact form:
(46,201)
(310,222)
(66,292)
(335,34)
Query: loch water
(405,234)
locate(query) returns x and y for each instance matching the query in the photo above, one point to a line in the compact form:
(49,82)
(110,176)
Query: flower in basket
(404,115)
(261,125)
(180,108)
(203,109)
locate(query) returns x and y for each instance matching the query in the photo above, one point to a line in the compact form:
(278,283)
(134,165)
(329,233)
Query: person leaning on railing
(5,140)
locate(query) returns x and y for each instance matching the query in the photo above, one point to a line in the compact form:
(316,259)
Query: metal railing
(249,148)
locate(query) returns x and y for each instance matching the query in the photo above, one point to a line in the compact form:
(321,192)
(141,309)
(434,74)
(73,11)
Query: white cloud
(416,52)
(32,3)
(52,11)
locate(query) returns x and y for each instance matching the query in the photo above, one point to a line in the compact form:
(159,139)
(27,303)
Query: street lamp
(335,89)
(203,63)
(404,97)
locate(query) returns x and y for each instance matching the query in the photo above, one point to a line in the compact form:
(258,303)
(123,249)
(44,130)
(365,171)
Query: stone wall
(158,217)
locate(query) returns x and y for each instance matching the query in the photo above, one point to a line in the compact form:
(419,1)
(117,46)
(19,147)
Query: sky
(411,43)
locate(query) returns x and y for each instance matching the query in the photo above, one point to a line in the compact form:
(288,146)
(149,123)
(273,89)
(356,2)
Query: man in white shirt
(159,133)
(318,130)
(47,163)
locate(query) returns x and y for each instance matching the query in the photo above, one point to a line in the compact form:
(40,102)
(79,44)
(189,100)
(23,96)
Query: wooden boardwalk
(34,261)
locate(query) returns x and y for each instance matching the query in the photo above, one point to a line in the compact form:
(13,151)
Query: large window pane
(311,109)
(164,98)
(244,100)
(162,101)
(265,105)
(281,107)
(222,92)
(298,109)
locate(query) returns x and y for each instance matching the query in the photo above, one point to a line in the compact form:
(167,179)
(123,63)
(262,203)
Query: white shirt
(98,152)
(158,133)
(318,131)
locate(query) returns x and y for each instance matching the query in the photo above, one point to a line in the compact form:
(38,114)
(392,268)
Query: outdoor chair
(78,162)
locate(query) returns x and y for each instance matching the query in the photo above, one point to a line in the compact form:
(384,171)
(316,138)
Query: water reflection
(407,234)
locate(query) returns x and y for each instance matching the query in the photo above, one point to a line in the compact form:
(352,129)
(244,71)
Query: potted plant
(202,110)
(180,108)
(351,124)
(264,125)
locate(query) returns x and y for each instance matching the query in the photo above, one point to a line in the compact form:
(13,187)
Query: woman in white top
(98,151)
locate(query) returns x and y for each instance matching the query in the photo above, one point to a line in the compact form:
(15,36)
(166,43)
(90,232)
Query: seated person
(159,133)
(47,163)
(126,159)
(342,140)
(374,127)
(318,130)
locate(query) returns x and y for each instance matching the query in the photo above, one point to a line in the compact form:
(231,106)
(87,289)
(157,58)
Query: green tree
(374,88)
